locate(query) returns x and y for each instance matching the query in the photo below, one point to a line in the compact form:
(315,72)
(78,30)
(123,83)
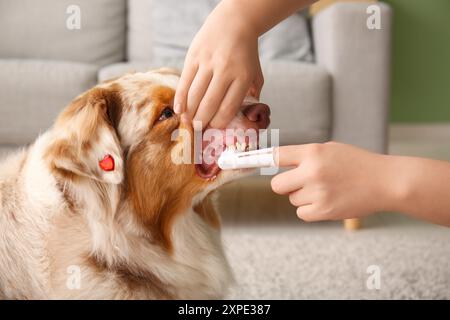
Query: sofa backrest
(160,31)
(140,35)
(48,29)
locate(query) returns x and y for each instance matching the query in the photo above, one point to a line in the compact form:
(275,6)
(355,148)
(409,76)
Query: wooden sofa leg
(352,224)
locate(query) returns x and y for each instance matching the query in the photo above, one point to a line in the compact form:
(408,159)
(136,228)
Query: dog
(96,208)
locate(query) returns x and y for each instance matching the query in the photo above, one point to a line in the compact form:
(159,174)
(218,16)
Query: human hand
(333,181)
(221,67)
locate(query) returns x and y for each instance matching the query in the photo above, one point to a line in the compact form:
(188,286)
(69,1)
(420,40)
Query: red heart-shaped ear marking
(107,164)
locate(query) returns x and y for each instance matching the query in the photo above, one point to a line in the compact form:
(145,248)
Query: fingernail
(177,108)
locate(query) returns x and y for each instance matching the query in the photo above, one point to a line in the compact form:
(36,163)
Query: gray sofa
(342,96)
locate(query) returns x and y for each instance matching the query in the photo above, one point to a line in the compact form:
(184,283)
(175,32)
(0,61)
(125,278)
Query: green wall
(421,61)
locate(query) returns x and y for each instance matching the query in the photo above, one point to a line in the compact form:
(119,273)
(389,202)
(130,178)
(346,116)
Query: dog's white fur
(44,243)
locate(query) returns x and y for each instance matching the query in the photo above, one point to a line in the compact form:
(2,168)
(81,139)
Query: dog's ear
(86,143)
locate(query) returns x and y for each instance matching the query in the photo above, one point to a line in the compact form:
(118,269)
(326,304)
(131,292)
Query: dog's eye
(166,114)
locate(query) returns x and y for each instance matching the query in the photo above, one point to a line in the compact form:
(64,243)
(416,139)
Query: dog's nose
(259,113)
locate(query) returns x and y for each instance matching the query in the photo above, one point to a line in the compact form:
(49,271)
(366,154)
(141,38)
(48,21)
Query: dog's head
(124,133)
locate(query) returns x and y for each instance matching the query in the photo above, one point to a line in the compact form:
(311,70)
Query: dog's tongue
(210,153)
(207,171)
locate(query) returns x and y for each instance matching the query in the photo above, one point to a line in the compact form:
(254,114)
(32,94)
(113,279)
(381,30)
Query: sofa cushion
(299,95)
(288,41)
(38,30)
(119,69)
(157,31)
(177,27)
(140,33)
(164,29)
(33,92)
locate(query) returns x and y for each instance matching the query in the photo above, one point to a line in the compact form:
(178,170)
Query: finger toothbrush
(232,159)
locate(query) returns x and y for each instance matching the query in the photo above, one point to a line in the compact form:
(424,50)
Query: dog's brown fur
(144,230)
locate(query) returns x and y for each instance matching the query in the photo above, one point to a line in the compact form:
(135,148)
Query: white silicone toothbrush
(231,159)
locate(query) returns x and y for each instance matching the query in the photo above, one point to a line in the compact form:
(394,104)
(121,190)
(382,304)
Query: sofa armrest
(358,60)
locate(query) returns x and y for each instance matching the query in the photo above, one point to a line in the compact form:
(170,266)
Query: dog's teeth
(231,148)
(238,146)
(247,147)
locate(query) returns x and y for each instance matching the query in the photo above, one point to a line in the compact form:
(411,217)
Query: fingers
(299,198)
(308,213)
(230,104)
(197,91)
(287,156)
(212,99)
(306,210)
(187,76)
(256,87)
(287,182)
